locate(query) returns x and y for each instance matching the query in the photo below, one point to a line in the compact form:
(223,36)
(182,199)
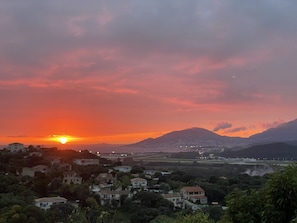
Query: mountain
(199,137)
(283,133)
(190,137)
(265,151)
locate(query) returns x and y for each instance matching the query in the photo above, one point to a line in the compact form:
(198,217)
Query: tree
(281,195)
(276,202)
(34,214)
(20,214)
(153,200)
(215,212)
(60,212)
(144,215)
(197,217)
(92,203)
(244,207)
(137,170)
(162,219)
(125,181)
(41,182)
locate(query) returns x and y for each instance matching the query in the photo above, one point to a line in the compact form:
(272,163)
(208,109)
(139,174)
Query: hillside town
(110,182)
(40,184)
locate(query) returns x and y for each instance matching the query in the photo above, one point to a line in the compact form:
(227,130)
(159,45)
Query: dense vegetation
(249,199)
(265,151)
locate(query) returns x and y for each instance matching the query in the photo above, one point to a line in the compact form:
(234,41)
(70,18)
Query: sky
(122,71)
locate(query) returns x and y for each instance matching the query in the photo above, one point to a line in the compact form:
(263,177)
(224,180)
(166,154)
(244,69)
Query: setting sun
(63,140)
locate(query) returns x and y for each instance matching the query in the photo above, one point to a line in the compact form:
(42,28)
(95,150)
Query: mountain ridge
(202,137)
(276,150)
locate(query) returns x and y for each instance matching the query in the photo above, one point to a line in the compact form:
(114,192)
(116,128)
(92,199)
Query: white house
(176,199)
(194,194)
(107,196)
(123,169)
(30,171)
(138,182)
(46,202)
(106,179)
(85,162)
(16,147)
(70,177)
(150,172)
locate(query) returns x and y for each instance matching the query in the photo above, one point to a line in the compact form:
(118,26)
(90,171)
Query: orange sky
(117,72)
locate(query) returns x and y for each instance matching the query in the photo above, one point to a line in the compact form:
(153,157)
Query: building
(70,177)
(65,166)
(16,147)
(194,194)
(123,169)
(85,162)
(106,179)
(150,172)
(107,196)
(46,202)
(176,199)
(36,154)
(30,171)
(138,182)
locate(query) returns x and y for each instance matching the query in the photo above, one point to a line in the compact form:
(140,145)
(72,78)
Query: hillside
(265,151)
(199,137)
(190,137)
(283,133)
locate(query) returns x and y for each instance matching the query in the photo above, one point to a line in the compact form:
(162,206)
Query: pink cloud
(238,129)
(222,125)
(268,125)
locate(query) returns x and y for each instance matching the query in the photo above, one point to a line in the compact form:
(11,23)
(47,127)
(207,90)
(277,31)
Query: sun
(63,140)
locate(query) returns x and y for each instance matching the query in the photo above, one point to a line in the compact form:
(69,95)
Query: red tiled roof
(192,189)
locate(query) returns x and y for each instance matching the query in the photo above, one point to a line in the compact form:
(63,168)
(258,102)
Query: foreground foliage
(276,202)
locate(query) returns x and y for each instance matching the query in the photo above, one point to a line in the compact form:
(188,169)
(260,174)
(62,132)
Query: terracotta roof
(192,189)
(171,195)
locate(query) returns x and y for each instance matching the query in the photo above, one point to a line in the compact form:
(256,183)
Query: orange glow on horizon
(63,139)
(128,138)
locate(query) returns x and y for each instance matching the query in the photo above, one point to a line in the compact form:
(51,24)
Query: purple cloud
(222,125)
(274,124)
(238,129)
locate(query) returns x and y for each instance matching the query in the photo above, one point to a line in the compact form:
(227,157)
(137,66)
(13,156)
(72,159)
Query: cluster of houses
(106,184)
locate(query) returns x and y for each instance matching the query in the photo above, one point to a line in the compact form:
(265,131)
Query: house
(70,177)
(37,154)
(176,199)
(165,173)
(138,182)
(55,161)
(106,179)
(85,162)
(30,171)
(16,147)
(107,196)
(150,172)
(194,194)
(123,169)
(65,166)
(46,202)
